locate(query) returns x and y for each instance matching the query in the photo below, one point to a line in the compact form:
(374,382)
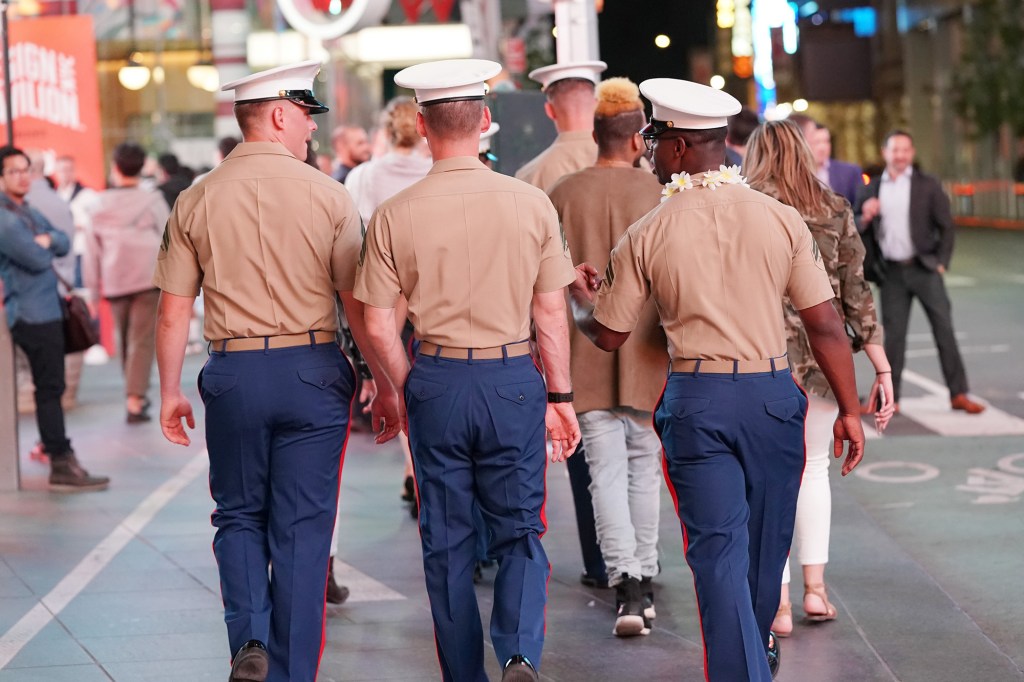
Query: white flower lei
(725,175)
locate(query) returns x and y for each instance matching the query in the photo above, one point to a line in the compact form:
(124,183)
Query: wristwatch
(560,397)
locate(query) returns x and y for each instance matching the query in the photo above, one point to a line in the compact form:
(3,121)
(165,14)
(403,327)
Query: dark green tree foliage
(989,80)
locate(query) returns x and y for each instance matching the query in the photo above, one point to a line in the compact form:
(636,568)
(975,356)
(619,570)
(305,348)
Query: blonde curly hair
(617,96)
(399,119)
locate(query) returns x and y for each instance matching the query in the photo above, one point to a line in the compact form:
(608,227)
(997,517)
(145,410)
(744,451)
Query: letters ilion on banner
(54,92)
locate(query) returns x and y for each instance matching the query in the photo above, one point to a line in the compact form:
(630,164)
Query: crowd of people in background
(592,183)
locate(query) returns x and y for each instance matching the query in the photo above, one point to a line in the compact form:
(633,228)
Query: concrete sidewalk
(927,584)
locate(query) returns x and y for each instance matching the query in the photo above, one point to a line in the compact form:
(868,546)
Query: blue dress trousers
(734,456)
(476,428)
(276,426)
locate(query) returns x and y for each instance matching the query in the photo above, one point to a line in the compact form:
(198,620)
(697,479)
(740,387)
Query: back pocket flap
(517,393)
(684,407)
(783,409)
(321,377)
(421,389)
(216,384)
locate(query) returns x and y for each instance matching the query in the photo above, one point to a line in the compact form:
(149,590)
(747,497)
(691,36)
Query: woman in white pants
(780,164)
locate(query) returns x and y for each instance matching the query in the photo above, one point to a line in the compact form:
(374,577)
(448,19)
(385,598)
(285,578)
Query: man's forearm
(172,321)
(601,336)
(831,349)
(386,345)
(553,341)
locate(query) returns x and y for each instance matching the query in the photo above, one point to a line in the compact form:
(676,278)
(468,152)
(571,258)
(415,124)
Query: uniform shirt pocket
(320,377)
(423,390)
(784,409)
(681,408)
(517,393)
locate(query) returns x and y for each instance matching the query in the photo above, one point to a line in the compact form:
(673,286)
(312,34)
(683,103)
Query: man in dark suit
(906,224)
(842,177)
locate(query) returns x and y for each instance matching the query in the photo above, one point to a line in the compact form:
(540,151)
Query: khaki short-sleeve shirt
(718,263)
(468,248)
(570,152)
(268,238)
(596,205)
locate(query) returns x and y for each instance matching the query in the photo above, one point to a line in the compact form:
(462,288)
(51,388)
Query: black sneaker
(773,654)
(251,663)
(647,594)
(629,612)
(68,476)
(519,669)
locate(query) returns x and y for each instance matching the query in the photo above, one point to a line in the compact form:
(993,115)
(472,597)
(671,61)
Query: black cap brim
(304,98)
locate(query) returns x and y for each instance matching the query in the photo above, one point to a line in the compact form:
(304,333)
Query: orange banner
(54,92)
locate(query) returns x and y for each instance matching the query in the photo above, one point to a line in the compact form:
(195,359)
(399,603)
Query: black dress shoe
(251,663)
(773,654)
(519,669)
(588,580)
(336,594)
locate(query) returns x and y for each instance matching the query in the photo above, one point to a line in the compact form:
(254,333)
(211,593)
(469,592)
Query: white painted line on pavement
(960,281)
(933,412)
(361,586)
(50,606)
(964,350)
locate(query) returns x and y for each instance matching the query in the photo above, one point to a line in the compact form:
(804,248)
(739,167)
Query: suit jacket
(931,225)
(845,179)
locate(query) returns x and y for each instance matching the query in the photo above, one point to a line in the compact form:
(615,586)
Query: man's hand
(388,414)
(174,408)
(848,428)
(586,284)
(870,210)
(44,240)
(366,395)
(563,429)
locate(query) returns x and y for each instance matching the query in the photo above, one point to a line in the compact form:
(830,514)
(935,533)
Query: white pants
(814,504)
(624,456)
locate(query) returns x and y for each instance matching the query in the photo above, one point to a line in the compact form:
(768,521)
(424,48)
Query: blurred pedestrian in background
(905,219)
(351,147)
(28,247)
(125,229)
(779,163)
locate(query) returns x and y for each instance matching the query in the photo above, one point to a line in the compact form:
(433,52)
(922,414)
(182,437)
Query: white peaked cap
(546,75)
(485,137)
(688,105)
(292,81)
(448,80)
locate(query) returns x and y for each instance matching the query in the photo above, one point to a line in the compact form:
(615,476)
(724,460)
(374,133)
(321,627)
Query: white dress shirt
(894,211)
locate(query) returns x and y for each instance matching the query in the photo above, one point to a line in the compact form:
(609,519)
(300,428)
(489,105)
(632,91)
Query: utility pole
(576,23)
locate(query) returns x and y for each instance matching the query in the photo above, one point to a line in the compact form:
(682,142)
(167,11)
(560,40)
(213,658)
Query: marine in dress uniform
(616,392)
(270,240)
(474,252)
(569,89)
(718,257)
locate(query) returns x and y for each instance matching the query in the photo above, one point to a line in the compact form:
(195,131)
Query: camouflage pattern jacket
(842,252)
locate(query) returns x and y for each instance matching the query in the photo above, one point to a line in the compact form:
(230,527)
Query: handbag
(81,330)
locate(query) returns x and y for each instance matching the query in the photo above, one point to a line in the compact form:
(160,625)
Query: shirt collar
(455,163)
(905,174)
(252,148)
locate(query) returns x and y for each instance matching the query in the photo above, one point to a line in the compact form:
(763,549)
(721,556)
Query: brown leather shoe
(962,402)
(68,476)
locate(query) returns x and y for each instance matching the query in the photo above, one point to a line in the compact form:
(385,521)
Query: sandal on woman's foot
(826,612)
(782,626)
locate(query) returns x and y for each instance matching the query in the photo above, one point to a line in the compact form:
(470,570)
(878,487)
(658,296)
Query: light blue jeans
(624,456)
